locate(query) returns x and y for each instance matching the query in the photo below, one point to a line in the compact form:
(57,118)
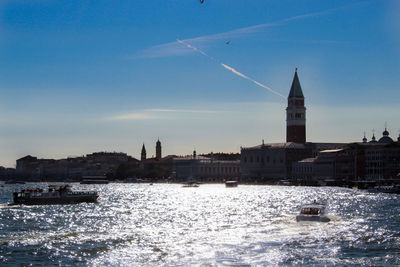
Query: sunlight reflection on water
(165,224)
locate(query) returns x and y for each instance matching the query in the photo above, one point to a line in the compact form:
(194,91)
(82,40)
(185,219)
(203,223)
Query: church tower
(143,154)
(158,149)
(296,113)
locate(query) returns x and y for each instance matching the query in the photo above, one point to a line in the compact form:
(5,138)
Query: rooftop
(277,146)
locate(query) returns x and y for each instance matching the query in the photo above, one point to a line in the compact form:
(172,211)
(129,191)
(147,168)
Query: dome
(373,140)
(385,140)
(385,132)
(364,139)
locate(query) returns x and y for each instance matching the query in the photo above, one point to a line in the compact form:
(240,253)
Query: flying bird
(228,42)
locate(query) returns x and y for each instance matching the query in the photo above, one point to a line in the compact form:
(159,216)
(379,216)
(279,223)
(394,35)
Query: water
(165,224)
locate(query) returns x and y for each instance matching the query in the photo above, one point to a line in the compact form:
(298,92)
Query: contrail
(195,49)
(234,71)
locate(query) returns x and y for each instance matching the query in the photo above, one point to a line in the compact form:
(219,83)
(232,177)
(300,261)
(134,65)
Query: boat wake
(333,218)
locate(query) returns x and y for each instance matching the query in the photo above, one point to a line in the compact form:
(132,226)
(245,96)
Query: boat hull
(231,184)
(55,200)
(312,218)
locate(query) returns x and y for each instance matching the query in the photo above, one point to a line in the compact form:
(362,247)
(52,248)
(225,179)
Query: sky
(78,77)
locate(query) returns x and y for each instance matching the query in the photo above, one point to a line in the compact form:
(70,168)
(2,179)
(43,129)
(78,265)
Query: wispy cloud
(156,113)
(131,116)
(173,48)
(183,110)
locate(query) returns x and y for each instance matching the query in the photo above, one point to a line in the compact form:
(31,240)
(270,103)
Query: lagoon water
(167,225)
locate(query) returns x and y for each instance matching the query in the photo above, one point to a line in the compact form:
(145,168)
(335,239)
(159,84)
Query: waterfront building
(303,171)
(274,161)
(72,168)
(364,164)
(271,162)
(204,169)
(7,173)
(335,167)
(108,157)
(382,158)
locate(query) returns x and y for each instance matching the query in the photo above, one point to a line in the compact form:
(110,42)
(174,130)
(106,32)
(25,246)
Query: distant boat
(283,182)
(191,184)
(231,184)
(14,182)
(56,194)
(87,181)
(94,180)
(385,189)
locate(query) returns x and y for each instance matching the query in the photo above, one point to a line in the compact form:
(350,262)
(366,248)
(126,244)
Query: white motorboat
(313,212)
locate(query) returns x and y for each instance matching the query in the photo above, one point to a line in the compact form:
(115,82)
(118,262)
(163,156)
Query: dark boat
(385,189)
(56,194)
(231,183)
(92,181)
(14,182)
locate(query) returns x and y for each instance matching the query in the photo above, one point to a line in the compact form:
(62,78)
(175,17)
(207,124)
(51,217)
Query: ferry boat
(56,194)
(313,212)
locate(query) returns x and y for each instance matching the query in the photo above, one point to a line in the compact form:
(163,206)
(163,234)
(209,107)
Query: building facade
(204,169)
(270,163)
(74,168)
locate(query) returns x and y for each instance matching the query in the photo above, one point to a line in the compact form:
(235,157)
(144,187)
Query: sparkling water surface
(167,225)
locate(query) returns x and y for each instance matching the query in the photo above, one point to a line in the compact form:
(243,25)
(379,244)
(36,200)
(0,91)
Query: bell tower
(143,153)
(158,149)
(296,113)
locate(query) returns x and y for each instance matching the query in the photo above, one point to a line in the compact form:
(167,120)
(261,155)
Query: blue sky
(84,76)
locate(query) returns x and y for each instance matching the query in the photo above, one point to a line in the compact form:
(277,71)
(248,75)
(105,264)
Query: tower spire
(143,153)
(295,89)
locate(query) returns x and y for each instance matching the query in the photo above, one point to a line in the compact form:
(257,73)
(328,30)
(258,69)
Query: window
(298,116)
